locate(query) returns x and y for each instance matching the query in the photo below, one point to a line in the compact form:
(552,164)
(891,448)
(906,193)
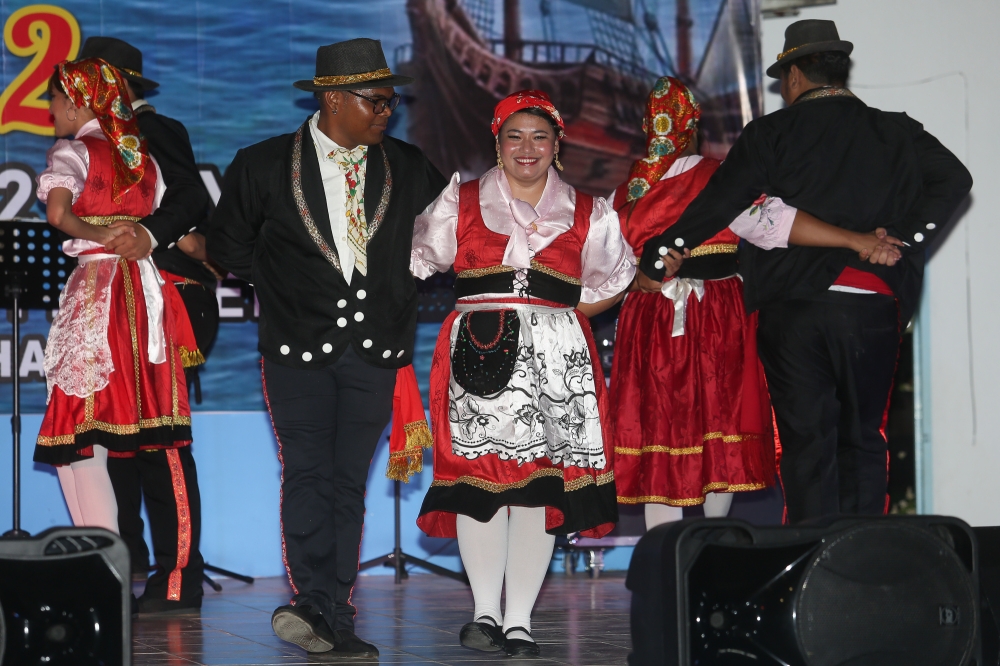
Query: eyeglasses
(381,103)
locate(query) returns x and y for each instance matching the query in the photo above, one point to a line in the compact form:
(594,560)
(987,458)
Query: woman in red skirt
(113,360)
(518,399)
(692,419)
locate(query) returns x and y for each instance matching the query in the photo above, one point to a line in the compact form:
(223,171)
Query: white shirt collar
(324,144)
(139,102)
(681,165)
(89,128)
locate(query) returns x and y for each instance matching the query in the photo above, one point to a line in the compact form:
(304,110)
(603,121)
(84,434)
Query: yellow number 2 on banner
(48,34)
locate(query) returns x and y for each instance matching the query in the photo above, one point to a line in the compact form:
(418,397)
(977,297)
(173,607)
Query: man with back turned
(830,324)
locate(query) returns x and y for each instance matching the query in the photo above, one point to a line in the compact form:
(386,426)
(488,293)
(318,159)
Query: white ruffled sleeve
(66,165)
(435,241)
(607,266)
(767,224)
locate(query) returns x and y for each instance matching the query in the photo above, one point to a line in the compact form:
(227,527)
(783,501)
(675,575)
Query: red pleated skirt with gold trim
(691,413)
(144,405)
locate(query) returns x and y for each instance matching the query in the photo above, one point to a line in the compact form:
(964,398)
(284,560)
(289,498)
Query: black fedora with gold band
(121,55)
(352,65)
(807,37)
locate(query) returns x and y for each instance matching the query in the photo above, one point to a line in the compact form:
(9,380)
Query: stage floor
(576,621)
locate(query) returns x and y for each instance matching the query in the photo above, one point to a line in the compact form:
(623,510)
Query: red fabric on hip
(852,277)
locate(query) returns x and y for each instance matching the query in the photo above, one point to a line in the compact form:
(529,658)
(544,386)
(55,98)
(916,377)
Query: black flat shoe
(482,636)
(299,626)
(150,606)
(347,645)
(518,647)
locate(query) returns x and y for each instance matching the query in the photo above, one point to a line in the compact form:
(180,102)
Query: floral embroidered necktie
(352,163)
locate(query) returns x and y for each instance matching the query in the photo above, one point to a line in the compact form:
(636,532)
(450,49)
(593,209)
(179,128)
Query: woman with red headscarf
(692,419)
(518,399)
(113,358)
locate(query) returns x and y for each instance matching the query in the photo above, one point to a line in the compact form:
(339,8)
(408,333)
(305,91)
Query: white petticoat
(549,407)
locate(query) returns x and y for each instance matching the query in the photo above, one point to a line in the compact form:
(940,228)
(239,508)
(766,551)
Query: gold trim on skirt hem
(715,487)
(491,487)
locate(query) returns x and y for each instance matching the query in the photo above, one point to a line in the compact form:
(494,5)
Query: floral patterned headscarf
(522,100)
(670,123)
(97,85)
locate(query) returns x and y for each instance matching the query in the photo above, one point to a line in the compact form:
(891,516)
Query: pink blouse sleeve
(607,263)
(435,241)
(767,224)
(66,165)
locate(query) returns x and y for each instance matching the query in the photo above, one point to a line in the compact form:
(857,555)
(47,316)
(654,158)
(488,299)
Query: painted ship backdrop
(468,54)
(597,58)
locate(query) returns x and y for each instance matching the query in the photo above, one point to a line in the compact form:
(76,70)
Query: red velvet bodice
(96,198)
(662,206)
(479,247)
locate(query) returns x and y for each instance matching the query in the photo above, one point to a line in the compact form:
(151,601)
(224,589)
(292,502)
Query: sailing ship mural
(598,59)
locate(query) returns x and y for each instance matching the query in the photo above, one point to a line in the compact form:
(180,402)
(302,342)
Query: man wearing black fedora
(829,323)
(321,222)
(170,487)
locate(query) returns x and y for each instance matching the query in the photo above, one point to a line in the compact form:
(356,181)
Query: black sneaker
(482,636)
(300,626)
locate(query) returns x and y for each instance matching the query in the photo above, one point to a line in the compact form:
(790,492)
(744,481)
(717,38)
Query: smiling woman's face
(527,146)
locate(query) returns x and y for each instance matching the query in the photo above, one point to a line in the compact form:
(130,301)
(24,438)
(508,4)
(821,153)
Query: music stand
(398,559)
(35,271)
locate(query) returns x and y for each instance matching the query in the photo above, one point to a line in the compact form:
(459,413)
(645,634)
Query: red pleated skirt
(691,413)
(145,405)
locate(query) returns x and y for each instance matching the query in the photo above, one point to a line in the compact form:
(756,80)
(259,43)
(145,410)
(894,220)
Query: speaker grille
(68,545)
(885,594)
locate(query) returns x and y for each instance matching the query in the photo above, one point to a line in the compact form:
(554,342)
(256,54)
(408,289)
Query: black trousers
(152,474)
(830,363)
(328,422)
(169,482)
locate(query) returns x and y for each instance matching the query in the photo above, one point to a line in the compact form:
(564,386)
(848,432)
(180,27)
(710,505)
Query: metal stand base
(225,572)
(398,560)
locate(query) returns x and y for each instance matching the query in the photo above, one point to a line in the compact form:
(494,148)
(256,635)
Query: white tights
(716,506)
(88,491)
(514,548)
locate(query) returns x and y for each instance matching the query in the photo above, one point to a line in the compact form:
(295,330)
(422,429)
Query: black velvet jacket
(849,165)
(185,204)
(272,228)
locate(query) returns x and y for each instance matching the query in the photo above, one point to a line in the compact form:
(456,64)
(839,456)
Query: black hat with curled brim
(352,65)
(808,37)
(121,55)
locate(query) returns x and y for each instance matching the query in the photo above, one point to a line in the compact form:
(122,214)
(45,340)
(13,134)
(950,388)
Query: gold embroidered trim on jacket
(717,248)
(107,220)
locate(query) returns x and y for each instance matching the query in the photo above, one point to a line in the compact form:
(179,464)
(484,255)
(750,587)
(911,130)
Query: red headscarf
(670,122)
(98,86)
(521,100)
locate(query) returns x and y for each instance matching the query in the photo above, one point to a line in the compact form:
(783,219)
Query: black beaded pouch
(485,351)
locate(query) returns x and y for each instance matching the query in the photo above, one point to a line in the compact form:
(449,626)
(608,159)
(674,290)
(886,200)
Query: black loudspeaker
(846,591)
(65,599)
(989,587)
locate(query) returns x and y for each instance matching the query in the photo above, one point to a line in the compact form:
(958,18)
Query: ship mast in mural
(463,66)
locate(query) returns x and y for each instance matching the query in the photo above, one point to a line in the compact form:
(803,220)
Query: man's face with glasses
(363,115)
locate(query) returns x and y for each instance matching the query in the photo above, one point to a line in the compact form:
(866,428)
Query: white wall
(937,60)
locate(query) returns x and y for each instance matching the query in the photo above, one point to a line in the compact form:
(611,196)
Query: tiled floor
(577,621)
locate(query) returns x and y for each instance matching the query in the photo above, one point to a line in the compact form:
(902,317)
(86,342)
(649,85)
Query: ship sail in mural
(597,59)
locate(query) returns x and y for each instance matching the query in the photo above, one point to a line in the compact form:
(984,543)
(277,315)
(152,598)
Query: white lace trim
(78,355)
